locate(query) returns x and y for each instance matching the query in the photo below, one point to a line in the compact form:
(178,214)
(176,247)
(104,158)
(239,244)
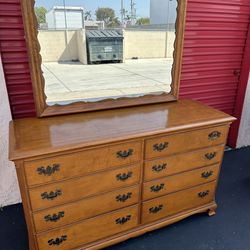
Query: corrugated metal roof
(104,34)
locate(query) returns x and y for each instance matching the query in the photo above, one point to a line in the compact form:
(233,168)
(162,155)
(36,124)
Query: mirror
(98,54)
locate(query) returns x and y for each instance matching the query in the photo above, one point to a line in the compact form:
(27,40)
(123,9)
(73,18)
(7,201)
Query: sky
(142,6)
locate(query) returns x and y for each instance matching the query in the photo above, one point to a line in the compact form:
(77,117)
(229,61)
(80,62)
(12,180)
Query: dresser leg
(211,212)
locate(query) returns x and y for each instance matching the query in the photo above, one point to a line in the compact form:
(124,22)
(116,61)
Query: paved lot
(69,82)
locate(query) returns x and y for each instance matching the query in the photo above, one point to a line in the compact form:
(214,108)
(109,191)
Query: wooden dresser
(92,180)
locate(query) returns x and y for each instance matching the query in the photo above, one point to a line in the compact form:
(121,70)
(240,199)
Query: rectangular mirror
(99,54)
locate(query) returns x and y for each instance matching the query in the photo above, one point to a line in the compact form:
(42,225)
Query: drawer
(81,163)
(182,162)
(72,190)
(89,230)
(177,143)
(86,208)
(174,203)
(179,182)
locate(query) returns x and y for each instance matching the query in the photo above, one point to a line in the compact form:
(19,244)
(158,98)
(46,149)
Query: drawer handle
(48,170)
(161,146)
(207,174)
(159,168)
(154,210)
(123,220)
(210,156)
(54,217)
(214,135)
(157,188)
(203,194)
(57,241)
(124,177)
(51,195)
(123,197)
(125,154)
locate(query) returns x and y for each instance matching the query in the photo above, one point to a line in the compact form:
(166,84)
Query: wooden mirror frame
(38,82)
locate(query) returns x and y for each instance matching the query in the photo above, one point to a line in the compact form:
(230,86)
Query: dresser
(92,180)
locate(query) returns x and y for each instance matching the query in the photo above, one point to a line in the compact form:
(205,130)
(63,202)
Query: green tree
(143,21)
(108,16)
(40,14)
(87,16)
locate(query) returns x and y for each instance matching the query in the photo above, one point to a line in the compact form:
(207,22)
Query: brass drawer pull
(49,170)
(157,188)
(161,146)
(54,217)
(57,241)
(123,220)
(214,135)
(123,197)
(207,174)
(125,154)
(154,210)
(124,177)
(203,194)
(159,168)
(210,156)
(51,195)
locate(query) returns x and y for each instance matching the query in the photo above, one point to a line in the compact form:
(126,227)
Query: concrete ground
(72,81)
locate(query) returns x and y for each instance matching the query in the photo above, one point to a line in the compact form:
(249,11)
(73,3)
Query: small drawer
(183,142)
(174,203)
(90,230)
(81,163)
(179,182)
(170,165)
(78,188)
(86,208)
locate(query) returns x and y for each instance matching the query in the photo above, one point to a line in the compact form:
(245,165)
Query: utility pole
(133,12)
(122,13)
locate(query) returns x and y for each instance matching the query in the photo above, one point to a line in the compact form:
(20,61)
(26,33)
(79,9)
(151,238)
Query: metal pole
(122,13)
(66,26)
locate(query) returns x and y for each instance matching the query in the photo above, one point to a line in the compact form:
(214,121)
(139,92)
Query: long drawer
(179,182)
(81,163)
(182,162)
(78,188)
(174,203)
(89,230)
(86,208)
(182,142)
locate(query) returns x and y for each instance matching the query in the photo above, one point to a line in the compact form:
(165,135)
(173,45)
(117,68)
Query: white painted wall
(9,190)
(244,131)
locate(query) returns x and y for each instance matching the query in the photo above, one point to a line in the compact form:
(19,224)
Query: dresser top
(32,137)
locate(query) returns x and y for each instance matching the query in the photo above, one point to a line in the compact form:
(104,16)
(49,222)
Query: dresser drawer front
(81,163)
(171,144)
(78,188)
(86,208)
(174,203)
(175,164)
(179,182)
(89,230)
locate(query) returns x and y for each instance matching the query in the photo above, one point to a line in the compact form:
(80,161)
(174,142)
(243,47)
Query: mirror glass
(94,50)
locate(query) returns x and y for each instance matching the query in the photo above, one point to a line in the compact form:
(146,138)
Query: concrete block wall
(71,45)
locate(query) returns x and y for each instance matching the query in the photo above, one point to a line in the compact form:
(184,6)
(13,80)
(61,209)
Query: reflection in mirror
(94,50)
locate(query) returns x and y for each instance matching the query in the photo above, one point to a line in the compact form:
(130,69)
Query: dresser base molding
(140,230)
